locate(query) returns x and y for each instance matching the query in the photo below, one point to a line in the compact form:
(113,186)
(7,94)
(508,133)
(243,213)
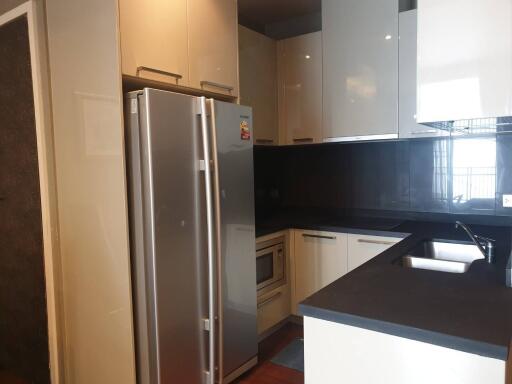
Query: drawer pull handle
(228,88)
(159,71)
(264,141)
(319,236)
(379,242)
(270,299)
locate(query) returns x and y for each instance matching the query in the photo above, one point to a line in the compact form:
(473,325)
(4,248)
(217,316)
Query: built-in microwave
(270,265)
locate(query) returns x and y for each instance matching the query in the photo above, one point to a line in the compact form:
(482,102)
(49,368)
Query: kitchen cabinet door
(320,258)
(258,83)
(363,248)
(407,125)
(154,40)
(213,45)
(273,307)
(300,88)
(360,69)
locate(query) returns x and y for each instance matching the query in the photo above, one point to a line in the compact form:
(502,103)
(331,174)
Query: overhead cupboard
(187,43)
(360,82)
(300,88)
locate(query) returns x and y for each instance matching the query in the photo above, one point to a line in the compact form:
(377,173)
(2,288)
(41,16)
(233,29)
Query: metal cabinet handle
(303,140)
(270,299)
(228,88)
(319,236)
(424,132)
(379,242)
(210,243)
(264,141)
(177,76)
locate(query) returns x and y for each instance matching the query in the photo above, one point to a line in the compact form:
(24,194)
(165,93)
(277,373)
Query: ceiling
(260,13)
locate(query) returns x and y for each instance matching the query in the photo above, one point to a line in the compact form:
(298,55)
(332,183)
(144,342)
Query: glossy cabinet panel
(360,69)
(213,45)
(154,36)
(90,171)
(464,59)
(364,248)
(258,83)
(408,127)
(300,88)
(320,258)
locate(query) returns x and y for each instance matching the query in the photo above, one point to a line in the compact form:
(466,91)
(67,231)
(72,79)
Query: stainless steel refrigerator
(191,206)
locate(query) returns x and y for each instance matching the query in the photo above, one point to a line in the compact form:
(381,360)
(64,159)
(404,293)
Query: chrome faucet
(484,244)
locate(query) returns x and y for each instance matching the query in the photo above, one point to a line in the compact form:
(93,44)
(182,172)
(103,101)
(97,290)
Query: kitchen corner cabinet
(319,259)
(190,43)
(363,248)
(360,69)
(258,83)
(407,59)
(300,88)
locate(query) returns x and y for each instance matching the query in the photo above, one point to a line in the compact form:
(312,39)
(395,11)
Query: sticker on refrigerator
(245,132)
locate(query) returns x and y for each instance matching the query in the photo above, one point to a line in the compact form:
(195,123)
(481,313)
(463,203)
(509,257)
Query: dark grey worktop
(470,312)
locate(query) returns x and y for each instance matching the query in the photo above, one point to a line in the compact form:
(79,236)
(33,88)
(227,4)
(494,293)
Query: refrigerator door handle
(210,375)
(218,239)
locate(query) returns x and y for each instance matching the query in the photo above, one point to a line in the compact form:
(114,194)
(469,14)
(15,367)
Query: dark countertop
(324,222)
(470,312)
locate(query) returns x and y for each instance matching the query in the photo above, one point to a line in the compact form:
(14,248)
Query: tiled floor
(268,373)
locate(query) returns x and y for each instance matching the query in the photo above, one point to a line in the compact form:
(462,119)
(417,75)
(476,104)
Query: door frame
(34,11)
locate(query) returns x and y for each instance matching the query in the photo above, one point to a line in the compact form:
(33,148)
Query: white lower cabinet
(362,248)
(319,259)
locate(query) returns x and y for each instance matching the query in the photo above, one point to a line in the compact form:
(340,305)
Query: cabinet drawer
(364,248)
(273,307)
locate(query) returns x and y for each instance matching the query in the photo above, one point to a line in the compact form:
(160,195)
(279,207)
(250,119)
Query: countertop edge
(430,337)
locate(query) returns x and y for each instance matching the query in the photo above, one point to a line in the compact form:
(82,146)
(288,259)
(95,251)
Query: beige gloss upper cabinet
(154,36)
(360,70)
(213,45)
(300,88)
(258,83)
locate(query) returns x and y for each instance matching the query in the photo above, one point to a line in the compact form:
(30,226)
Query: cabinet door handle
(264,141)
(319,236)
(303,140)
(228,88)
(424,132)
(270,299)
(379,242)
(177,76)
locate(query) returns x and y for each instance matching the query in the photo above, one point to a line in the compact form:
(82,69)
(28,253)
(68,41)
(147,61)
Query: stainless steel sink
(442,256)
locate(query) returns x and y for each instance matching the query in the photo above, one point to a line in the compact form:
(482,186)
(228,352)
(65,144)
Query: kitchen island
(383,323)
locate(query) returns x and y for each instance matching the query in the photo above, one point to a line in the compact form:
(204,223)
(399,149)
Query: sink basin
(442,256)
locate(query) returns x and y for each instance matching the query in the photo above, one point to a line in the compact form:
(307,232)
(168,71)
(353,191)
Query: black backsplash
(457,175)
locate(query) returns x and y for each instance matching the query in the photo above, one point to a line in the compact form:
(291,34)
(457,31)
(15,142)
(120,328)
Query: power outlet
(507,201)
